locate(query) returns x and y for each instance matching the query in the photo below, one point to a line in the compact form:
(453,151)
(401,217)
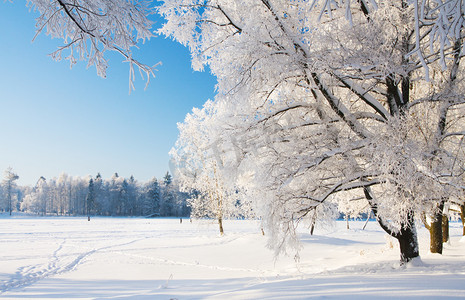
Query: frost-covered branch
(90,28)
(314,96)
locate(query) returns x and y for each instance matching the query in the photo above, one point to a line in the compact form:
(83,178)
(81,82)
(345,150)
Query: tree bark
(435,230)
(435,234)
(408,242)
(312,224)
(220,223)
(445,228)
(407,235)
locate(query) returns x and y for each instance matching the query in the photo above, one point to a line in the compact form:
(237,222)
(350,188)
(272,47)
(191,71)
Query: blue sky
(54,119)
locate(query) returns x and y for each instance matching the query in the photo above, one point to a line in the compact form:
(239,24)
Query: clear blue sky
(54,119)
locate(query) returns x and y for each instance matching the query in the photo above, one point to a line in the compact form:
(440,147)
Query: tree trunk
(312,226)
(435,230)
(366,222)
(445,228)
(407,236)
(220,223)
(435,234)
(408,243)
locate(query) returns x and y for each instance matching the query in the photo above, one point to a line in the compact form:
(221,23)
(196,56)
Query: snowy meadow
(138,258)
(322,108)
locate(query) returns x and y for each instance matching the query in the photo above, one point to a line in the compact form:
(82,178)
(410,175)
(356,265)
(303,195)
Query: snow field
(136,258)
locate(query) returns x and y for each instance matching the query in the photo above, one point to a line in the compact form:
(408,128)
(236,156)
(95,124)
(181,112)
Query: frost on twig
(90,28)
(437,25)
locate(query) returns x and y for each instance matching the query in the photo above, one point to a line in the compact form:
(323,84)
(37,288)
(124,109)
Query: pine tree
(131,197)
(167,203)
(167,179)
(152,198)
(90,199)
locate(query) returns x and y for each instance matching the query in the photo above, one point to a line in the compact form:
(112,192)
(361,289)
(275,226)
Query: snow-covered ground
(137,258)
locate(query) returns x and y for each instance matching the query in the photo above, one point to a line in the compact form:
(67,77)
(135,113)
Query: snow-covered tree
(88,196)
(206,166)
(133,207)
(337,96)
(114,194)
(41,195)
(101,199)
(9,187)
(167,179)
(90,199)
(352,207)
(151,205)
(63,189)
(168,198)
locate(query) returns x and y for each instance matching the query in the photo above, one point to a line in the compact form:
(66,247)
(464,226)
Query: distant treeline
(117,196)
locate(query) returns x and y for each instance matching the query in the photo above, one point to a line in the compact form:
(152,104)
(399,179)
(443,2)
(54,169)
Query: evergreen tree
(152,198)
(168,200)
(90,199)
(131,197)
(115,195)
(99,196)
(168,179)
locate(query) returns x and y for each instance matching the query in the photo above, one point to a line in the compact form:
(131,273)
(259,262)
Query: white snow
(136,258)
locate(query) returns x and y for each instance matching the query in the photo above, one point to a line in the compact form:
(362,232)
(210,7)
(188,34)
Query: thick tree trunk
(407,236)
(435,234)
(408,243)
(435,230)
